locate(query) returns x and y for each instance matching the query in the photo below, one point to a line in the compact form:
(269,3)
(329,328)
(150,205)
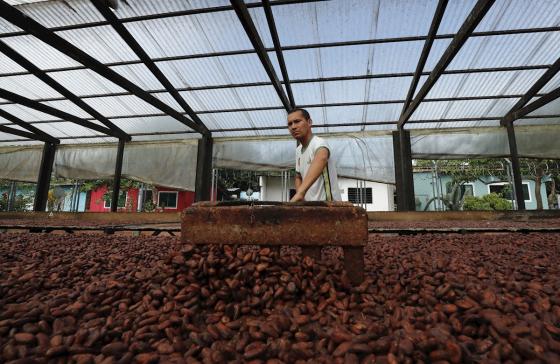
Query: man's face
(298,125)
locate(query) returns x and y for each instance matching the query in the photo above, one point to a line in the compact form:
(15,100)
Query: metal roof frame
(278,50)
(23,62)
(141,53)
(19,19)
(475,17)
(39,134)
(509,117)
(245,19)
(434,26)
(5,94)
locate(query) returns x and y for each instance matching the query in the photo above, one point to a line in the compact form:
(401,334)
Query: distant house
(427,185)
(163,199)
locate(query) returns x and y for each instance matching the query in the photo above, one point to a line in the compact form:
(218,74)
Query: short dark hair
(304,112)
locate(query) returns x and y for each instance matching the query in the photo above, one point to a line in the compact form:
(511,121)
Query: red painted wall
(184,200)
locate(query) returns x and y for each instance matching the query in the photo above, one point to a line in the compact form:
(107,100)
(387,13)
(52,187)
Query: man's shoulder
(319,142)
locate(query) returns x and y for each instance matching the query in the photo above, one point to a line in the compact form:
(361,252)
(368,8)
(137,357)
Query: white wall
(271,188)
(382,194)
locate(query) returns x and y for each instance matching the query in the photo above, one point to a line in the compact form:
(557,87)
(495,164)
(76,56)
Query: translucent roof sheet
(350,62)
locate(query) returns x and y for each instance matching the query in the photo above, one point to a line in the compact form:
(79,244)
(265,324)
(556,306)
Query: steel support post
(517,181)
(204,169)
(117,178)
(44,179)
(403,170)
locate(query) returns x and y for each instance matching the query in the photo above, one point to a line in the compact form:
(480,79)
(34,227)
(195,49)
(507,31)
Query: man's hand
(299,196)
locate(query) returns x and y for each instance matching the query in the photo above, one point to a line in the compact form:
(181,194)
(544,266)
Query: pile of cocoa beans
(427,298)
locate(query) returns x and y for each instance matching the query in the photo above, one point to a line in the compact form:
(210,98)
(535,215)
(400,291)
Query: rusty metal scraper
(311,225)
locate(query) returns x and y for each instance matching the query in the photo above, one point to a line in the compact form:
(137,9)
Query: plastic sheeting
(170,164)
(367,155)
(363,156)
(532,142)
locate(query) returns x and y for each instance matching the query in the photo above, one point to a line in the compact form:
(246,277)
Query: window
(121,202)
(360,195)
(168,200)
(506,190)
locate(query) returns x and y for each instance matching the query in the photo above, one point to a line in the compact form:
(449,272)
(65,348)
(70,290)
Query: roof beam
(22,61)
(434,26)
(171,14)
(245,19)
(19,19)
(536,87)
(18,99)
(278,50)
(385,122)
(529,108)
(141,53)
(24,134)
(31,128)
(477,13)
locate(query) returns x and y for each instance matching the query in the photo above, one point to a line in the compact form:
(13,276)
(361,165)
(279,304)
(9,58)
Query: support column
(517,180)
(117,179)
(12,196)
(403,170)
(203,183)
(44,179)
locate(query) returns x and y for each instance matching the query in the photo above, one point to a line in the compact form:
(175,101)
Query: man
(316,178)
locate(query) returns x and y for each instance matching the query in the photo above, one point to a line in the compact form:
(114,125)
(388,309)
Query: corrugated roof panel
(28,86)
(507,50)
(40,54)
(467,109)
(85,82)
(385,112)
(380,127)
(9,66)
(7,27)
(237,98)
(552,84)
(455,14)
(353,60)
(25,113)
(148,7)
(307,93)
(344,91)
(169,100)
(87,140)
(121,106)
(215,71)
(66,129)
(429,110)
(500,107)
(520,14)
(484,84)
(394,88)
(153,124)
(201,33)
(140,75)
(102,43)
(461,124)
(69,107)
(58,13)
(552,108)
(245,119)
(328,21)
(182,136)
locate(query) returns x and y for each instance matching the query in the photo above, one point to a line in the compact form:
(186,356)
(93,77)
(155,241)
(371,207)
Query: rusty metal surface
(304,224)
(354,264)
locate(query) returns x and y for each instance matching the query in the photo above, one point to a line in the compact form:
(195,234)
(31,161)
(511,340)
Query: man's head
(299,124)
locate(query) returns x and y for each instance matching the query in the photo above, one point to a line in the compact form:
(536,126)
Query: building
(161,199)
(373,196)
(427,185)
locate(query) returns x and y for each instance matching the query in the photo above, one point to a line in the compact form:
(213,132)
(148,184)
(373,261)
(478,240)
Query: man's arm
(315,169)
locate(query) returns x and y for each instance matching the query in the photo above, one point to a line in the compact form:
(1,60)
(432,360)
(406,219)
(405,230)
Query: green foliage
(125,185)
(490,202)
(21,203)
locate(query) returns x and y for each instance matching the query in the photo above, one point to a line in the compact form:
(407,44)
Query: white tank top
(325,187)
